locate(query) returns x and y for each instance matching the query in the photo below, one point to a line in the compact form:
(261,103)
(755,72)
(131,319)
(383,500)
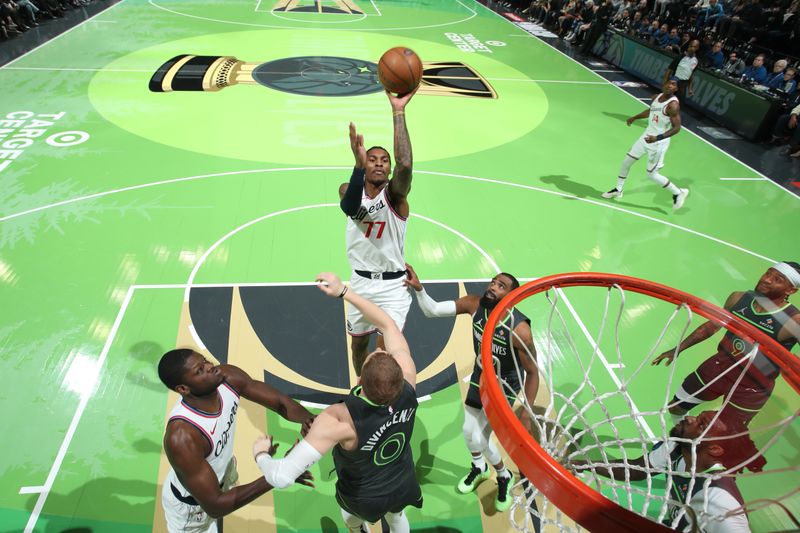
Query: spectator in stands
(749,19)
(10,13)
(661,34)
(581,22)
(599,25)
(777,72)
(755,73)
(786,84)
(29,11)
(714,58)
(708,16)
(734,67)
(787,125)
(683,69)
(672,39)
(636,24)
(648,32)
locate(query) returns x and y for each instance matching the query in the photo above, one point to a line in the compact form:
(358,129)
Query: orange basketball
(400,70)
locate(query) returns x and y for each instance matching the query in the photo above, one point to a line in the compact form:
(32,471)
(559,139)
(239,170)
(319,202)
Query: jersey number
(370,225)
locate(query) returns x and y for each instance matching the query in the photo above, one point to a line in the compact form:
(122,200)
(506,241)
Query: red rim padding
(580,502)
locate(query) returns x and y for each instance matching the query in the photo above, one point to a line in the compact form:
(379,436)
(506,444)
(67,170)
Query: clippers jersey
(770,323)
(658,121)
(376,235)
(217,428)
(382,461)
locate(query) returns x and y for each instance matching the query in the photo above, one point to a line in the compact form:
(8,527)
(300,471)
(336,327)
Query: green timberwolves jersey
(770,323)
(382,460)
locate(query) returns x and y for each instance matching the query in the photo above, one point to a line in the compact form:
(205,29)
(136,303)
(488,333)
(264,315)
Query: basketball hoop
(566,420)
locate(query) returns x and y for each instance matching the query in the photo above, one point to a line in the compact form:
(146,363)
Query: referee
(682,69)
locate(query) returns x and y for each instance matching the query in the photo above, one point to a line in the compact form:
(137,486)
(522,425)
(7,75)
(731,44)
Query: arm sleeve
(280,473)
(352,196)
(433,309)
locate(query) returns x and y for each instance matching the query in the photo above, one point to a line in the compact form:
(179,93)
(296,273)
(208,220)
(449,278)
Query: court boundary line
(312,28)
(606,205)
(62,33)
(767,178)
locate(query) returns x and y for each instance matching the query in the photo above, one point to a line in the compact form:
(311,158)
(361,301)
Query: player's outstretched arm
(187,455)
(328,429)
(400,184)
(433,309)
(266,395)
(393,338)
(700,334)
(350,193)
(643,114)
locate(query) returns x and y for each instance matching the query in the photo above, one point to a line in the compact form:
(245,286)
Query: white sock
(620,183)
(352,522)
(479,462)
(663,181)
(502,471)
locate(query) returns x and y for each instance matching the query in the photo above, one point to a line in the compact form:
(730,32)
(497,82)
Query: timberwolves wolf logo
(310,76)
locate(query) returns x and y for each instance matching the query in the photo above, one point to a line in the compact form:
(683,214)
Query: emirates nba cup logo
(310,76)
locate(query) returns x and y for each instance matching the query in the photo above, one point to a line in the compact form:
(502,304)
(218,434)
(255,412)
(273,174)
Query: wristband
(660,137)
(398,113)
(344,291)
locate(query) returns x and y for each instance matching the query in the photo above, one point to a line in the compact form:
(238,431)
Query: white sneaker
(613,193)
(678,199)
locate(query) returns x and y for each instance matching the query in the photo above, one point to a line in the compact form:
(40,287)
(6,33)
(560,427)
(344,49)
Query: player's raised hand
(667,356)
(263,444)
(330,284)
(400,101)
(411,279)
(357,145)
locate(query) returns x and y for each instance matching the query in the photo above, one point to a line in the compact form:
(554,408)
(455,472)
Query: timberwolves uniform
(182,511)
(375,240)
(756,385)
(377,477)
(501,348)
(708,499)
(658,122)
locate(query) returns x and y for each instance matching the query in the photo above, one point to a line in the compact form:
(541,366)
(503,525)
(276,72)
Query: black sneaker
(503,499)
(468,483)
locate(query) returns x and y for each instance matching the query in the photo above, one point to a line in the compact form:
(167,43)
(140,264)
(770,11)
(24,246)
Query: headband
(789,273)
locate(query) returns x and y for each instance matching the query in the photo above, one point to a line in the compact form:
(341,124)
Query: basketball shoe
(473,479)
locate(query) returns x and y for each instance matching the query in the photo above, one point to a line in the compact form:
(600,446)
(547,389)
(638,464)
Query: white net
(603,411)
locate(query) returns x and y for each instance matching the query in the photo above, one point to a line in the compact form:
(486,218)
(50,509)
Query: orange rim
(584,505)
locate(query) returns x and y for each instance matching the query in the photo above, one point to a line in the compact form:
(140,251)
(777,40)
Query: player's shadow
(430,467)
(123,502)
(582,190)
(143,371)
(624,118)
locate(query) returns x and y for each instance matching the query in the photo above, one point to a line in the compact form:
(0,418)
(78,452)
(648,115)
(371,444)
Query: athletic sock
(503,472)
(620,183)
(479,462)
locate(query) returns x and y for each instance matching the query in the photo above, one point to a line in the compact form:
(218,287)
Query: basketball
(400,70)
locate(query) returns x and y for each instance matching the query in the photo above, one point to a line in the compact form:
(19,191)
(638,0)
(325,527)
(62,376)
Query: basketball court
(134,221)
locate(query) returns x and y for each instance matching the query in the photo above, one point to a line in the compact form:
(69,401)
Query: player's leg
(354,524)
(359,345)
(633,155)
(655,157)
(702,385)
(398,522)
(476,444)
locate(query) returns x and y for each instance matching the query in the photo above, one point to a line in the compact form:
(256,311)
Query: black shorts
(372,509)
(473,398)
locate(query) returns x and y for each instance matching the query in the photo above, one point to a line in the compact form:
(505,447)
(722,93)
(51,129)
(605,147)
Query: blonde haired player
(663,121)
(377,210)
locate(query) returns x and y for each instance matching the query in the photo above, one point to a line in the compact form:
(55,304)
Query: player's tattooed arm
(700,334)
(400,185)
(674,114)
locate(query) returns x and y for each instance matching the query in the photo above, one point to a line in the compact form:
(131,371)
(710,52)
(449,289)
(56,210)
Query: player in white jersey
(663,121)
(199,439)
(377,210)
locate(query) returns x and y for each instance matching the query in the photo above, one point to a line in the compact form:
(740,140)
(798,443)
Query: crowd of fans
(18,16)
(753,42)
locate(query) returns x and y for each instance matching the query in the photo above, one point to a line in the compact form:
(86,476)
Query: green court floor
(118,200)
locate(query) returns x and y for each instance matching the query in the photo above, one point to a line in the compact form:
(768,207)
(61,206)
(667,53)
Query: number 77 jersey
(376,236)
